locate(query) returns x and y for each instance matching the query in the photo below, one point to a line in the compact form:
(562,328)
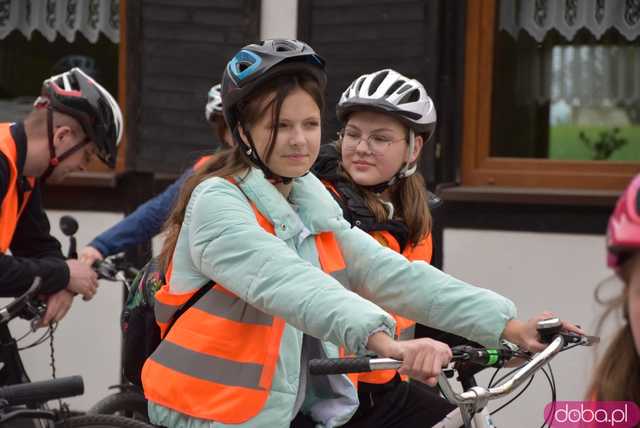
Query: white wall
(538,272)
(87,341)
(279,19)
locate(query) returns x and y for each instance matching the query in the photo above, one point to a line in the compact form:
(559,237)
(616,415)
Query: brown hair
(409,198)
(232,161)
(617,375)
(219,126)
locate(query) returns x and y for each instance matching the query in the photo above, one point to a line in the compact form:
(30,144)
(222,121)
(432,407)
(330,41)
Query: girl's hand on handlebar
(525,334)
(88,255)
(423,359)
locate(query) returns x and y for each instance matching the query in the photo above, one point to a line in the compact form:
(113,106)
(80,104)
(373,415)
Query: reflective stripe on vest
(10,209)
(218,360)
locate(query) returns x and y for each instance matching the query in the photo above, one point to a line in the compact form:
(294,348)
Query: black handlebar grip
(339,365)
(42,391)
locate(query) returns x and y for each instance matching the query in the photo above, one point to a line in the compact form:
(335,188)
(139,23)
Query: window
(552,94)
(44,38)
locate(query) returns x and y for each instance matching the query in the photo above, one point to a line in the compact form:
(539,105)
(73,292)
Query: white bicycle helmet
(214,102)
(388,91)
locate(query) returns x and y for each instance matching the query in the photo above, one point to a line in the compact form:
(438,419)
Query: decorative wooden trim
(478,168)
(304,20)
(122,84)
(530,196)
(130,76)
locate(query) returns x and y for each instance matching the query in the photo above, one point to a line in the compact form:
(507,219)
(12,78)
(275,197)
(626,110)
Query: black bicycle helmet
(253,65)
(76,94)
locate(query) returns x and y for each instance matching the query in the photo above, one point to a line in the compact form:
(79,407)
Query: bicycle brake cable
(552,385)
(36,342)
(516,397)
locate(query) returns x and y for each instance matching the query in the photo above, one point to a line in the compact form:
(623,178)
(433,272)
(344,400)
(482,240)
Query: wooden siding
(183,47)
(362,36)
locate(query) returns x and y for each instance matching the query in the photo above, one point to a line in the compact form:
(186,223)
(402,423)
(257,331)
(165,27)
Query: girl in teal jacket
(272,100)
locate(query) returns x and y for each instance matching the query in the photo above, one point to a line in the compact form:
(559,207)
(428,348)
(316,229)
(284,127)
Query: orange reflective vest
(11,208)
(218,360)
(405,328)
(201,162)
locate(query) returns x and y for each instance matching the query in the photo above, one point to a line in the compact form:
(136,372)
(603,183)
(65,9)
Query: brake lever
(33,311)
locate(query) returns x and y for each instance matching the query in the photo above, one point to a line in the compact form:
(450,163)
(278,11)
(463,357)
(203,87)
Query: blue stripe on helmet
(243,56)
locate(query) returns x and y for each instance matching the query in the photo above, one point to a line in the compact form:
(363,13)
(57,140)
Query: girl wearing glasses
(371,172)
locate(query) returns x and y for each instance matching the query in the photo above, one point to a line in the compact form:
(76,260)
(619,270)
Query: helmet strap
(54,160)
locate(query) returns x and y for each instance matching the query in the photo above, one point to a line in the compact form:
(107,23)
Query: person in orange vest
(147,220)
(617,375)
(371,170)
(73,119)
(281,276)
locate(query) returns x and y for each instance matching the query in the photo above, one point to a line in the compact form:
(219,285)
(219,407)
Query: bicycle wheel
(130,404)
(100,421)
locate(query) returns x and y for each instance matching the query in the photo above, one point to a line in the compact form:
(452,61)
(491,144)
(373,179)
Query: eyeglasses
(376,143)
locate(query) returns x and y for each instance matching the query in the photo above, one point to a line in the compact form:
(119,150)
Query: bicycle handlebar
(42,391)
(522,375)
(25,305)
(115,268)
(477,396)
(461,354)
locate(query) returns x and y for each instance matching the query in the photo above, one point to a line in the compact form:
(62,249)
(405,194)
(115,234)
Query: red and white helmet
(76,94)
(623,232)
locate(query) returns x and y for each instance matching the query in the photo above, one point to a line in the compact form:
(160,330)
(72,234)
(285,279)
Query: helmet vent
(638,202)
(411,97)
(243,65)
(284,46)
(393,87)
(404,88)
(375,83)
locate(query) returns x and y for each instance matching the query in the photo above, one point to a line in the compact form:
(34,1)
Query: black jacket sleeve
(34,252)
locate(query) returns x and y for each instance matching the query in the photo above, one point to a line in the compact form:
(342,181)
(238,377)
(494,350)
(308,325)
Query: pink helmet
(623,232)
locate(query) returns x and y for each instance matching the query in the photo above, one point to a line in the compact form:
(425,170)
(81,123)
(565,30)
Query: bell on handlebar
(548,329)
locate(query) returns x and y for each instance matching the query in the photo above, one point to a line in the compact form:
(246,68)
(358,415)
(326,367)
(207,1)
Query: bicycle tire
(130,404)
(100,421)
